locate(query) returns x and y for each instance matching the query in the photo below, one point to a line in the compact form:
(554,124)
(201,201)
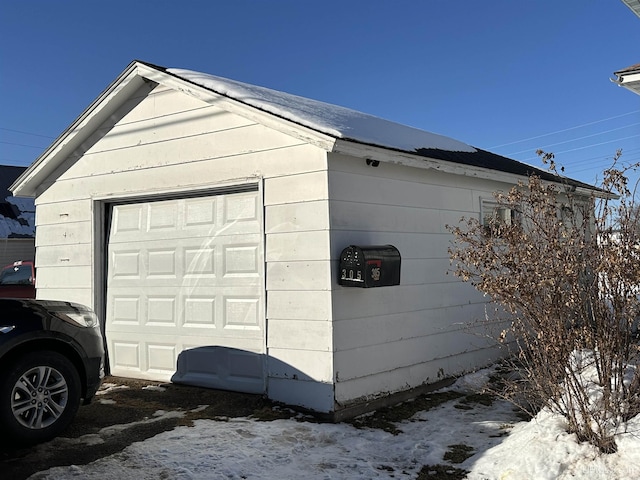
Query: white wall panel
(65,212)
(390,337)
(159,103)
(64,278)
(351,302)
(412,246)
(62,256)
(299,305)
(428,372)
(298,246)
(303,365)
(184,124)
(390,356)
(296,217)
(175,176)
(363,187)
(299,276)
(308,335)
(71,233)
(376,330)
(296,188)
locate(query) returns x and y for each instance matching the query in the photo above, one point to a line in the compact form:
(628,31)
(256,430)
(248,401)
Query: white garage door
(186,273)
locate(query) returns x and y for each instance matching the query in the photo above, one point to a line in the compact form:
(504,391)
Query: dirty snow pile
(502,447)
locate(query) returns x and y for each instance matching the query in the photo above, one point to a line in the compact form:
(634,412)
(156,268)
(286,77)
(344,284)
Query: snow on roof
(333,120)
(347,124)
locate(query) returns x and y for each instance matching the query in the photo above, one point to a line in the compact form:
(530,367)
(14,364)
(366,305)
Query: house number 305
(358,274)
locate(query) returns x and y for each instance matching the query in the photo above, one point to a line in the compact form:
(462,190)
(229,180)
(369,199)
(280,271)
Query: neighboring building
(17,220)
(629,77)
(204,220)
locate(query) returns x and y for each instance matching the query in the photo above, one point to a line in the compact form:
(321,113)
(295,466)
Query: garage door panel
(184,273)
(125,309)
(198,261)
(163,217)
(199,312)
(127,221)
(241,313)
(242,210)
(161,357)
(200,213)
(125,264)
(162,311)
(126,355)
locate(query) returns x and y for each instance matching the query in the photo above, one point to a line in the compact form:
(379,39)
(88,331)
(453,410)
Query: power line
(21,145)
(579,138)
(565,130)
(588,146)
(26,133)
(626,154)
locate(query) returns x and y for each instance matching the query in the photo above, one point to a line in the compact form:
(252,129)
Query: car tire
(39,396)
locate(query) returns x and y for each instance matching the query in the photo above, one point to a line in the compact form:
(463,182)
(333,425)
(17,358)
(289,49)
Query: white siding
(299,290)
(393,338)
(168,142)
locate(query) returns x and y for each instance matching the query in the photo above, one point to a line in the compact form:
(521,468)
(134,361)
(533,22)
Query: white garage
(204,220)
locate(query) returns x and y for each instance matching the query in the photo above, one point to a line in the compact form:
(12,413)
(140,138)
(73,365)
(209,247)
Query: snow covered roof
(351,125)
(335,128)
(333,120)
(17,215)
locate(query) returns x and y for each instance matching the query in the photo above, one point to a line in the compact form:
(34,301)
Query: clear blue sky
(504,75)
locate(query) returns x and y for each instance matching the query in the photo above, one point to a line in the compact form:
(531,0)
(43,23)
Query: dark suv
(51,361)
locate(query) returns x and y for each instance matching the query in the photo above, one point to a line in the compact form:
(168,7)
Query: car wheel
(39,396)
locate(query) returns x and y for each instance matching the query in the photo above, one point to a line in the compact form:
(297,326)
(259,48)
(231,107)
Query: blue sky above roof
(508,77)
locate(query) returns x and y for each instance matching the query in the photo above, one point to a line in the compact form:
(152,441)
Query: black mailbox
(369,266)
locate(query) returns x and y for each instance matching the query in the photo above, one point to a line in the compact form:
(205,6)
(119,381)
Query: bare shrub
(567,268)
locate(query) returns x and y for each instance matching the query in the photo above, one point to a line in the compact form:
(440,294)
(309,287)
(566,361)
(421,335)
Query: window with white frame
(494,216)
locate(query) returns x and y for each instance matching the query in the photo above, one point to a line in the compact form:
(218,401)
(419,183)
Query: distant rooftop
(17,215)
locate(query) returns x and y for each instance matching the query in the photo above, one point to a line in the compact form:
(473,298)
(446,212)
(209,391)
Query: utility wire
(26,133)
(587,146)
(565,130)
(21,145)
(579,138)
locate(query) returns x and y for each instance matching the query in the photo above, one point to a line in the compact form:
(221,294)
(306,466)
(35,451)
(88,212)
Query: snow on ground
(503,448)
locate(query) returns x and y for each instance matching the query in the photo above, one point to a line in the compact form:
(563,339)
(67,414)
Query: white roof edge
(373,152)
(627,77)
(96,113)
(419,161)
